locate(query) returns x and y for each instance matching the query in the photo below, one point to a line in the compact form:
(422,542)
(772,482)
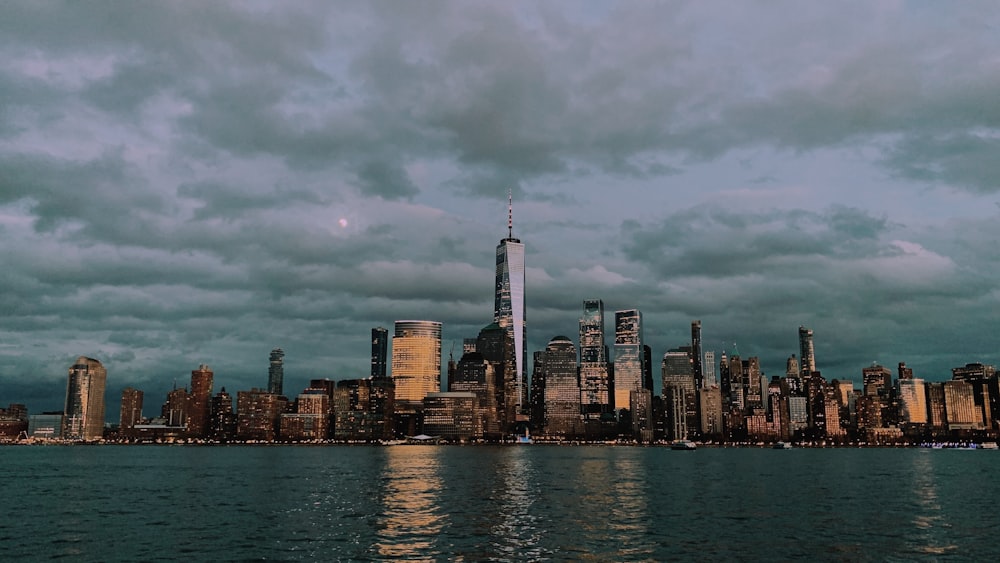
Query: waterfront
(507,503)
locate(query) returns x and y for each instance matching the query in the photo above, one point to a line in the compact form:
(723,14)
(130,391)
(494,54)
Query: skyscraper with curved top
(84,414)
(509,307)
(416,362)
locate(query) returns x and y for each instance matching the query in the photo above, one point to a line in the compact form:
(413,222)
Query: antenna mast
(510,213)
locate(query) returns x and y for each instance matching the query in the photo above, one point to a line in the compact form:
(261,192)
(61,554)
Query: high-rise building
(509,305)
(84,412)
(807,352)
(960,406)
(416,363)
(363,409)
(131,411)
(475,374)
(175,409)
(708,371)
(562,387)
(199,410)
(628,355)
(380,351)
(311,419)
(696,358)
(912,401)
(679,394)
(594,382)
(276,372)
(258,412)
(222,427)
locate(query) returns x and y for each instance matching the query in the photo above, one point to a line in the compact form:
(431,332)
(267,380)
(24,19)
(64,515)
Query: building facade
(276,372)
(594,377)
(628,356)
(416,363)
(84,411)
(509,307)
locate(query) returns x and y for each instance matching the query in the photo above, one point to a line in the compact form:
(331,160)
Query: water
(522,503)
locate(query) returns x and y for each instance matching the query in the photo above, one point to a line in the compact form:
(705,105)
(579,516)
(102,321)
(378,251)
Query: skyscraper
(679,393)
(593,358)
(200,402)
(131,411)
(708,370)
(509,306)
(276,372)
(562,388)
(807,353)
(696,357)
(380,351)
(84,413)
(416,362)
(628,355)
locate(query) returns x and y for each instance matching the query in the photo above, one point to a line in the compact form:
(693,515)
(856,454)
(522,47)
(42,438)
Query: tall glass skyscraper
(380,351)
(416,362)
(807,354)
(509,307)
(628,355)
(84,414)
(276,372)
(696,358)
(593,358)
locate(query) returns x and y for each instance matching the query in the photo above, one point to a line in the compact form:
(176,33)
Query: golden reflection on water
(412,517)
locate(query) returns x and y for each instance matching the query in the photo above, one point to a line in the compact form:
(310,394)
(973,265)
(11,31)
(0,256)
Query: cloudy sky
(200,182)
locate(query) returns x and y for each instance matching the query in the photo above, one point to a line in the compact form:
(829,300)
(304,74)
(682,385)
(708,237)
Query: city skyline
(240,179)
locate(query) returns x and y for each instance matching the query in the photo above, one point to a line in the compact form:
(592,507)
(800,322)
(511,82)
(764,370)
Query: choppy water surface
(496,503)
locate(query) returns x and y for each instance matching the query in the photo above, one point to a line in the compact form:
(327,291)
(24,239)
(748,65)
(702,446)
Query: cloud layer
(186,183)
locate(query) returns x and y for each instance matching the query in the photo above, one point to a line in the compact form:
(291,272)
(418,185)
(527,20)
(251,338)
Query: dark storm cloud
(62,190)
(184,182)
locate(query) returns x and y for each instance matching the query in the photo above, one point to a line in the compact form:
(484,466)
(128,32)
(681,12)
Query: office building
(708,370)
(416,363)
(807,352)
(131,411)
(696,358)
(475,374)
(310,421)
(222,426)
(509,308)
(258,413)
(679,394)
(960,406)
(276,372)
(451,416)
(628,356)
(380,351)
(594,377)
(84,412)
(912,401)
(562,388)
(200,402)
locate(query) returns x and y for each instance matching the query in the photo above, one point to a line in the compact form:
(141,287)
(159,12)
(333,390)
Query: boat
(782,445)
(526,439)
(989,446)
(683,445)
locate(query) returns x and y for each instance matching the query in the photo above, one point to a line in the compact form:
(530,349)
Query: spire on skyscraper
(510,213)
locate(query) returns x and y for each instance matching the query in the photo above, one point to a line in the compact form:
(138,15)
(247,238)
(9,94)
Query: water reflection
(412,516)
(516,534)
(931,528)
(615,517)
